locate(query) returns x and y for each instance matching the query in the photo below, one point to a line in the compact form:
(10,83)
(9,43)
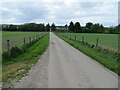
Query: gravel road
(63,66)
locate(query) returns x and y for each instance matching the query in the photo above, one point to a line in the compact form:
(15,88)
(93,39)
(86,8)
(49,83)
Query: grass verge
(19,66)
(106,60)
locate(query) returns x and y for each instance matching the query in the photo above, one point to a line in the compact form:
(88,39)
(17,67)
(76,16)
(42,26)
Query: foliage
(92,28)
(53,27)
(71,27)
(48,27)
(88,28)
(77,27)
(31,27)
(27,27)
(15,51)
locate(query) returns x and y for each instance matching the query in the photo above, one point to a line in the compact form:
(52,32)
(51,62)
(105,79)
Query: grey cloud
(59,12)
(29,11)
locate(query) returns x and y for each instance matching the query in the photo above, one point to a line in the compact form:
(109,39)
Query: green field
(16,38)
(109,41)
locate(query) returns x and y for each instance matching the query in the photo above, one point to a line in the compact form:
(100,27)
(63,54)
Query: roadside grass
(106,60)
(19,66)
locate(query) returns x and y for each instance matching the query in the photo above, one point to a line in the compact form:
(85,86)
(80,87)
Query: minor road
(63,66)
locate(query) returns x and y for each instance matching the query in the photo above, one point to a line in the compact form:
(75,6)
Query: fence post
(33,38)
(36,36)
(75,37)
(8,47)
(97,42)
(29,39)
(82,39)
(24,41)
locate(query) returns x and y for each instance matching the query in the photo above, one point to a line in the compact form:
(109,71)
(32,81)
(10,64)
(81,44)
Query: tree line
(27,27)
(92,28)
(72,27)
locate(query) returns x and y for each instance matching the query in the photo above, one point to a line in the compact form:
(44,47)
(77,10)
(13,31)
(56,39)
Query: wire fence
(23,41)
(96,41)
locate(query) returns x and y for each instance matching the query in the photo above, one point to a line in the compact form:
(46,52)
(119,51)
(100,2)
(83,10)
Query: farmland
(109,41)
(16,38)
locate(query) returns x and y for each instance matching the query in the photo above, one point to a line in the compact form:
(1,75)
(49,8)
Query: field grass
(105,59)
(109,41)
(16,38)
(20,65)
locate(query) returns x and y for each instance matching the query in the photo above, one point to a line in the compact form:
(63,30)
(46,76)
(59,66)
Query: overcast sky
(60,13)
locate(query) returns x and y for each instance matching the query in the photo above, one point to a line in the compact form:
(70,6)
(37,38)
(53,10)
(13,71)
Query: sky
(59,12)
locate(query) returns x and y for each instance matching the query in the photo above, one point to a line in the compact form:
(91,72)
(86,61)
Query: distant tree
(48,27)
(53,27)
(71,27)
(89,24)
(88,27)
(12,28)
(95,28)
(102,29)
(77,27)
(66,27)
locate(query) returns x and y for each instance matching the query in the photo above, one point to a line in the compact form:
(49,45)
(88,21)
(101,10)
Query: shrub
(92,46)
(5,55)
(15,51)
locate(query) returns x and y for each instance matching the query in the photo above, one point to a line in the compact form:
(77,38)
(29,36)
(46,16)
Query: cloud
(61,12)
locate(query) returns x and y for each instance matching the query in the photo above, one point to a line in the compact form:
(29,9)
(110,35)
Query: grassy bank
(19,66)
(107,60)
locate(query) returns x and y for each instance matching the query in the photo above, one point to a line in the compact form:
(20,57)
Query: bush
(5,55)
(15,51)
(92,46)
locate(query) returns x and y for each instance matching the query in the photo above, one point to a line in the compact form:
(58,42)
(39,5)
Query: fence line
(74,38)
(35,37)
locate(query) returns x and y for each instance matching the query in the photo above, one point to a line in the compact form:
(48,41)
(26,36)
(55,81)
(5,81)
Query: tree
(95,28)
(77,27)
(53,27)
(71,27)
(66,27)
(48,27)
(88,27)
(12,28)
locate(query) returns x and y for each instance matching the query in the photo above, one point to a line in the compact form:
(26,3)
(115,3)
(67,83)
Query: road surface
(63,66)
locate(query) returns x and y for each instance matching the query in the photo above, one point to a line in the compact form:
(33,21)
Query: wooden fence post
(82,39)
(8,47)
(24,41)
(36,36)
(33,38)
(75,37)
(29,39)
(97,42)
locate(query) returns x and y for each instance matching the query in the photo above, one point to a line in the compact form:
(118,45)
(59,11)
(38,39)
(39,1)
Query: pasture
(109,41)
(17,38)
